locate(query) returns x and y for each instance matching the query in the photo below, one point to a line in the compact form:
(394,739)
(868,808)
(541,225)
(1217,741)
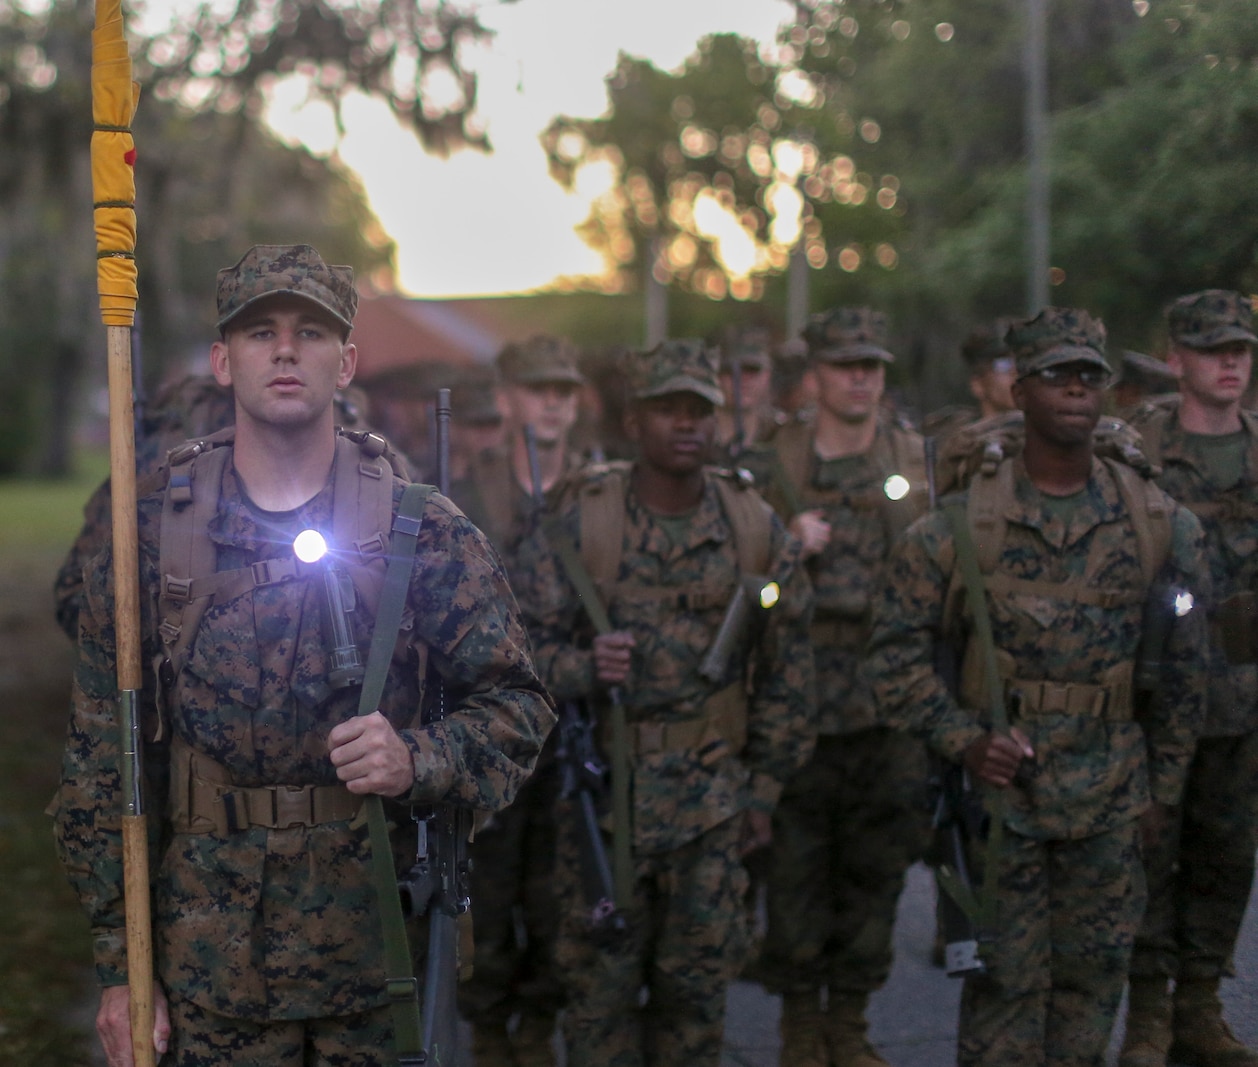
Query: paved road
(913,1019)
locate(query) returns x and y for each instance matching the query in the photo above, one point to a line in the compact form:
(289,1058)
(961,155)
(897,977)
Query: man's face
(284,359)
(674,432)
(1217,376)
(755,384)
(992,386)
(1063,403)
(550,407)
(851,392)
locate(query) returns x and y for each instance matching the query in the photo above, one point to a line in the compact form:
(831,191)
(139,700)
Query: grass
(45,954)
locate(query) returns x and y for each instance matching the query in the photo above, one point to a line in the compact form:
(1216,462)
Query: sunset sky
(477,224)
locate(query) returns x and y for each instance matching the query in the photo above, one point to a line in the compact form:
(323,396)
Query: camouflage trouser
(846,829)
(1201,870)
(687,939)
(1066,918)
(202,1038)
(513,882)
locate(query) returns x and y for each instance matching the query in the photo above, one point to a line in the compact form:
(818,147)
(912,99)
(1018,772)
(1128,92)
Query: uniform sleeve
(1172,719)
(781,719)
(556,621)
(88,808)
(906,633)
(499,712)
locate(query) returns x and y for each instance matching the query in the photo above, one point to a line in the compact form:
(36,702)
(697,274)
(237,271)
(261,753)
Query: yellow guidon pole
(114,98)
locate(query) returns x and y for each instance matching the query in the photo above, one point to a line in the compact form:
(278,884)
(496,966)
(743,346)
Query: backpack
(187,561)
(601,510)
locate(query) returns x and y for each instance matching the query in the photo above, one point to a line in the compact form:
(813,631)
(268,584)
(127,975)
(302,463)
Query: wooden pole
(130,680)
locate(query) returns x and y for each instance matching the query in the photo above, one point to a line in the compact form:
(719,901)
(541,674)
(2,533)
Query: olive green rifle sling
(400,981)
(622,859)
(984,916)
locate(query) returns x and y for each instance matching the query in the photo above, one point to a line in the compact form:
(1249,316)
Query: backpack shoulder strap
(1150,511)
(601,511)
(989,497)
(751,520)
(793,446)
(185,550)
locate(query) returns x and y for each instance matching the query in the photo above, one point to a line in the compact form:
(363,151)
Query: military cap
(540,360)
(684,366)
(848,335)
(298,269)
(985,344)
(746,346)
(1211,317)
(1147,371)
(472,396)
(1055,336)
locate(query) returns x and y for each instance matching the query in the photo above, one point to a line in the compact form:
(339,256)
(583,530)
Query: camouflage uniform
(1070,889)
(688,925)
(854,819)
(1201,870)
(514,855)
(280,925)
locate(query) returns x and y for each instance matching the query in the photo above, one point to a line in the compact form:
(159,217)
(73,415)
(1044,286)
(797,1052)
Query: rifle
(437,884)
(739,443)
(958,816)
(583,773)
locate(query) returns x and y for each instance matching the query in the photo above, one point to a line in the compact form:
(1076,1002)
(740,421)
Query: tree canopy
(892,130)
(210,180)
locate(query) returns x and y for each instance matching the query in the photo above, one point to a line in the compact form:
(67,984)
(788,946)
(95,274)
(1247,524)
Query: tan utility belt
(1036,698)
(720,729)
(204,800)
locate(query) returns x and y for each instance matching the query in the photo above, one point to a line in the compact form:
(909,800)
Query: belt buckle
(292,806)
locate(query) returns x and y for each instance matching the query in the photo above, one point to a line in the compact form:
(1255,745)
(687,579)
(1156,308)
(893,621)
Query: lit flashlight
(311,547)
(896,487)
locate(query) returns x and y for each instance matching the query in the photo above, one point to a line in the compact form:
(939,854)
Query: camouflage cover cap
(298,269)
(748,346)
(848,335)
(540,360)
(1149,371)
(986,344)
(1056,335)
(1211,317)
(686,366)
(472,397)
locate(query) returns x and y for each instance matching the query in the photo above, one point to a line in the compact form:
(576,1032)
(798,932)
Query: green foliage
(209,180)
(44,940)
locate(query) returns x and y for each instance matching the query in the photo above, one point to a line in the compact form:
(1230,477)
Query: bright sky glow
(473,223)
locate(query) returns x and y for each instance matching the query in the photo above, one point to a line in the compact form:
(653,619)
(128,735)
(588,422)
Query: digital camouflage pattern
(540,360)
(201,1039)
(513,857)
(1229,516)
(282,924)
(854,819)
(1200,871)
(298,269)
(688,919)
(1066,911)
(847,335)
(683,366)
(848,827)
(851,496)
(1070,887)
(1211,317)
(1088,776)
(1056,336)
(676,795)
(686,941)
